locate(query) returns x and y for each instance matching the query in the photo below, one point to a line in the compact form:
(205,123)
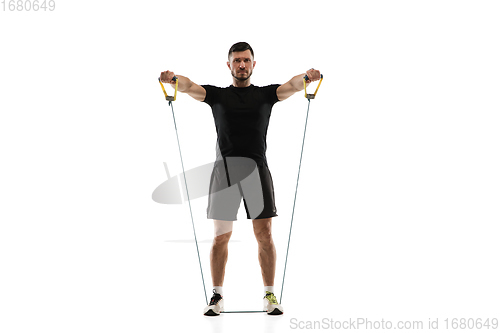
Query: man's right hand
(185,85)
(167,77)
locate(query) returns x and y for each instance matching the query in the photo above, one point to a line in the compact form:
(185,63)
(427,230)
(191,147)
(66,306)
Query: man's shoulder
(209,86)
(269,87)
(270,92)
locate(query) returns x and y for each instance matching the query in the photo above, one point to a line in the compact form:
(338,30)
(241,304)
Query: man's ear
(228,65)
(255,62)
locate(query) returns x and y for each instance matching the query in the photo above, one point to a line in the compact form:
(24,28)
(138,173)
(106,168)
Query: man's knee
(264,237)
(263,231)
(222,239)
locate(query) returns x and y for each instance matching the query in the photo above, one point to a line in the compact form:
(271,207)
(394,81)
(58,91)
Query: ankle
(268,289)
(218,290)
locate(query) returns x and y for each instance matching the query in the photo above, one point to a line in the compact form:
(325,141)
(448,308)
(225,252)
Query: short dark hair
(240,47)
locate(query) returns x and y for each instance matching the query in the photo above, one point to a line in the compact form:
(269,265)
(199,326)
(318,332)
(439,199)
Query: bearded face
(241,65)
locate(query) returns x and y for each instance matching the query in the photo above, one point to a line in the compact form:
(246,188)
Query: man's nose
(242,64)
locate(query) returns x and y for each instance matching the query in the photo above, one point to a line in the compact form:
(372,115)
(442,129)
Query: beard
(240,78)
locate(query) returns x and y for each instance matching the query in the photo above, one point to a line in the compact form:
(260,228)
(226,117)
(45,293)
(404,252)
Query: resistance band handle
(170,98)
(307,77)
(175,78)
(311,96)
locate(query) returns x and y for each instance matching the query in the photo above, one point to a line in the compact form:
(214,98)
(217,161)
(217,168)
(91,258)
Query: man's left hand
(313,75)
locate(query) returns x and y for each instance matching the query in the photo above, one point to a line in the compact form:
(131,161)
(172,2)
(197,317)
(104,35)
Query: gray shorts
(236,178)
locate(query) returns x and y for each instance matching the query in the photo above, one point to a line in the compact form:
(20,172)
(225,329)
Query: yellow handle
(311,96)
(170,98)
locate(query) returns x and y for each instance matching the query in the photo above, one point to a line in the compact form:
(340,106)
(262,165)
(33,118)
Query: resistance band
(309,97)
(170,99)
(173,98)
(242,311)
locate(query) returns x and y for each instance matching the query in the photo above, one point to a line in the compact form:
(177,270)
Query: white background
(397,209)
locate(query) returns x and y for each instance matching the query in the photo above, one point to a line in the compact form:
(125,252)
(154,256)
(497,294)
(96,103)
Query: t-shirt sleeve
(211,94)
(271,94)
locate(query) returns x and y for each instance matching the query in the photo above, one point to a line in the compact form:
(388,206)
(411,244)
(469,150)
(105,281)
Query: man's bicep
(285,90)
(197,92)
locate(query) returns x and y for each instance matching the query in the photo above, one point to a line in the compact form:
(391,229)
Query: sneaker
(215,307)
(271,305)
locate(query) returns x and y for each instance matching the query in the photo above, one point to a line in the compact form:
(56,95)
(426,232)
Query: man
(241,114)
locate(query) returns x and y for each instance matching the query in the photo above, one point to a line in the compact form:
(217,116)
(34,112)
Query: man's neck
(241,84)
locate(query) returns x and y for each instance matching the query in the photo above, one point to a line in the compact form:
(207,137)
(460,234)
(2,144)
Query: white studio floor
(132,280)
(324,282)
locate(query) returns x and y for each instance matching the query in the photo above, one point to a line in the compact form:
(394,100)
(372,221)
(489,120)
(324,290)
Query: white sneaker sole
(272,309)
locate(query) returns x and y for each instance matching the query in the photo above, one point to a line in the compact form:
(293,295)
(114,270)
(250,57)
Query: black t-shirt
(241,118)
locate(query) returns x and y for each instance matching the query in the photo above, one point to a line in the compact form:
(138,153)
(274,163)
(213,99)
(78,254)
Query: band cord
(189,201)
(294,200)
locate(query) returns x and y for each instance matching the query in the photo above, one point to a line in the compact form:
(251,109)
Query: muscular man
(241,114)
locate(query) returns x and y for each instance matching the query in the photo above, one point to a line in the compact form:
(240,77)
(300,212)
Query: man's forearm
(184,83)
(297,82)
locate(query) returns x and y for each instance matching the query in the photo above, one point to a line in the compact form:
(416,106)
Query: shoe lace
(215,298)
(271,298)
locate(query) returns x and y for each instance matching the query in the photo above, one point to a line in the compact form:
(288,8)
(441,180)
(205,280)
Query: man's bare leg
(267,259)
(219,252)
(218,260)
(267,252)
